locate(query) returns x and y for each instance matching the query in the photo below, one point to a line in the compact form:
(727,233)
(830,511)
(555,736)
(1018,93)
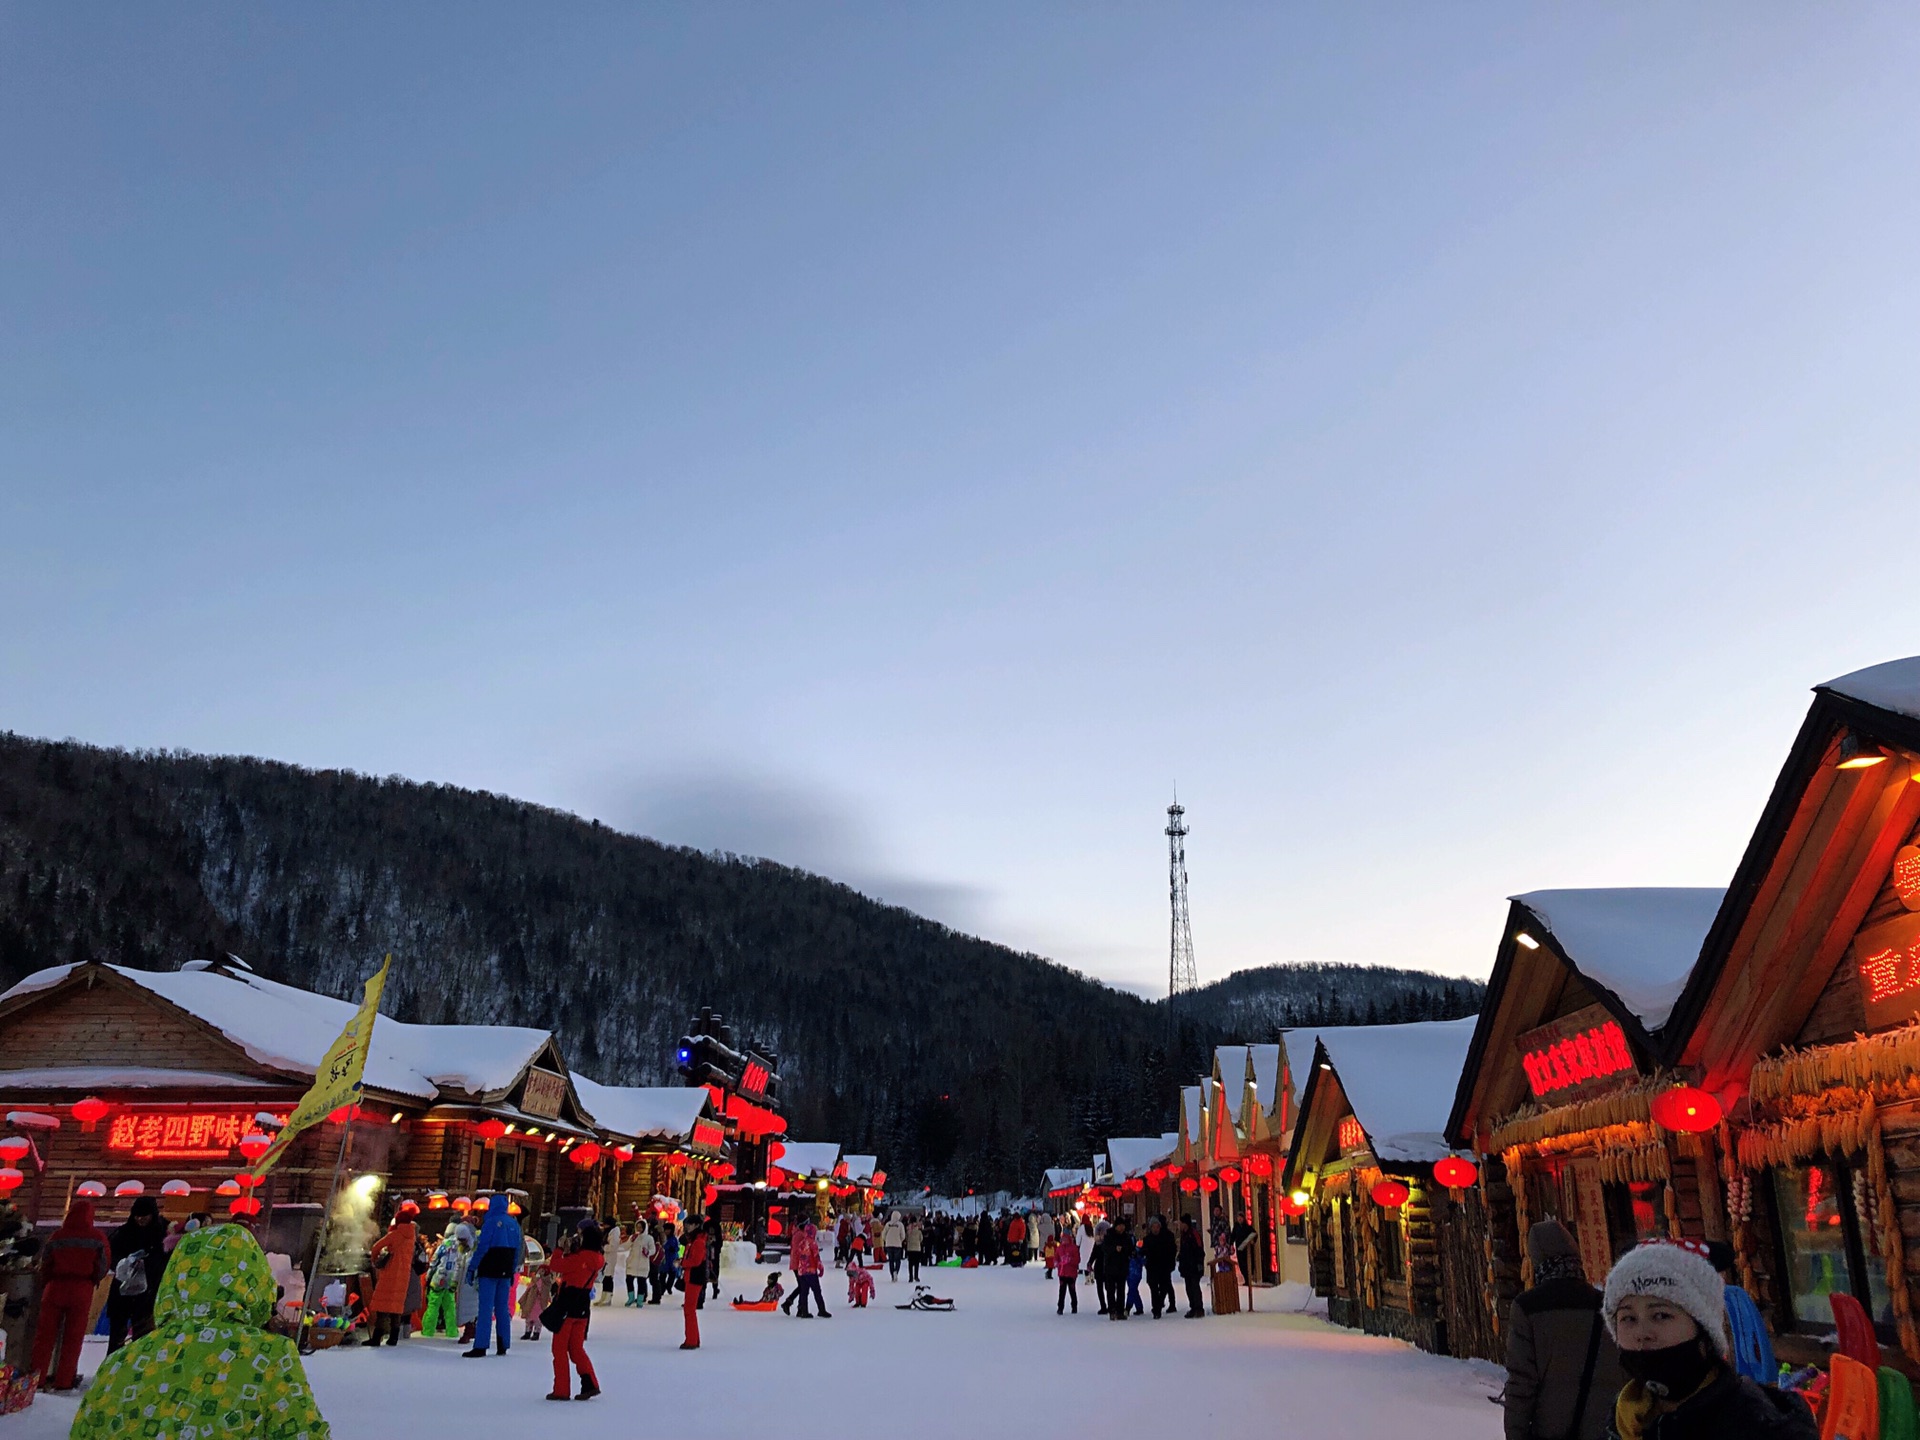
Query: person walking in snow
(209,1366)
(694,1285)
(467,1302)
(1192,1260)
(666,1275)
(138,1254)
(1066,1259)
(894,1239)
(575,1271)
(916,1243)
(536,1293)
(807,1269)
(1116,1259)
(73,1262)
(392,1260)
(1563,1369)
(1159,1254)
(640,1252)
(444,1272)
(1017,1240)
(498,1254)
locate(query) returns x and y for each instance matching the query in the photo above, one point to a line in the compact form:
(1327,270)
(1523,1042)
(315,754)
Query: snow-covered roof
(1891,685)
(122,1077)
(1193,1107)
(1266,1073)
(1135,1155)
(286,1028)
(860,1168)
(644,1112)
(809,1157)
(1230,1063)
(1400,1081)
(1639,943)
(1065,1179)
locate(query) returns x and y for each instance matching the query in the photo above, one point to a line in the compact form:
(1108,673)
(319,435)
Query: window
(1636,1211)
(1826,1248)
(1392,1249)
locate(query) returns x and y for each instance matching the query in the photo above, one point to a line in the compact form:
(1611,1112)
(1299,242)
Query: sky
(1446,442)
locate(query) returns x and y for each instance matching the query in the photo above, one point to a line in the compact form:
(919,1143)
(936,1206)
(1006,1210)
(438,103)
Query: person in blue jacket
(497,1256)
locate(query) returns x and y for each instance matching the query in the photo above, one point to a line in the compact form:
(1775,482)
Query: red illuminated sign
(182,1135)
(1566,1064)
(1350,1135)
(708,1136)
(753,1080)
(1887,958)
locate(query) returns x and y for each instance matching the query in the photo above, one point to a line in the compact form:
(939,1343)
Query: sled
(1897,1418)
(925,1299)
(970,1263)
(1857,1340)
(756,1304)
(1853,1400)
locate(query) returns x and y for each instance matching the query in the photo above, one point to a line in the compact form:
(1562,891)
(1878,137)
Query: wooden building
(1803,1022)
(1370,1133)
(1554,1097)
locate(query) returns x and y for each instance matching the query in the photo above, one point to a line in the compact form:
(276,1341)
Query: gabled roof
(1399,1079)
(860,1168)
(1193,1132)
(655,1112)
(1266,1075)
(1135,1155)
(812,1158)
(1066,1179)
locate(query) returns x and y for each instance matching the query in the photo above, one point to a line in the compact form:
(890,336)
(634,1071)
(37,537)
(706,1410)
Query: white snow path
(1003,1364)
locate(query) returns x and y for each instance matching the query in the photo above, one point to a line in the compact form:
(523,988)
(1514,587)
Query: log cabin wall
(115,1023)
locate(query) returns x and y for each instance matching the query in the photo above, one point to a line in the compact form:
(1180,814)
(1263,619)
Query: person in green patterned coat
(208,1367)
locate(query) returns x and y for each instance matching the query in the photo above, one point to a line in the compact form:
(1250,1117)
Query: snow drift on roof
(1193,1107)
(1066,1179)
(123,1077)
(1400,1081)
(860,1168)
(1135,1155)
(1639,943)
(644,1112)
(1891,685)
(810,1157)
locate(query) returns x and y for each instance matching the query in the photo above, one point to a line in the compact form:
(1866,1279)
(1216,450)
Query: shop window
(1392,1247)
(1825,1248)
(1636,1211)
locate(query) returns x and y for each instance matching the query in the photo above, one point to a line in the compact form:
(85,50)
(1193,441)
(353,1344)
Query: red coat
(390,1280)
(75,1256)
(806,1252)
(1066,1256)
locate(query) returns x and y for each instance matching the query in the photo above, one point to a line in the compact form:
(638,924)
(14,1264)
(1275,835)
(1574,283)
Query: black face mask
(1674,1372)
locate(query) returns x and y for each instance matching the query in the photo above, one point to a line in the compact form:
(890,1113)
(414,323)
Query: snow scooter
(925,1299)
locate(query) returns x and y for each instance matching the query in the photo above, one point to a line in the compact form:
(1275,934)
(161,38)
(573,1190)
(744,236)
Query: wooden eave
(1322,1108)
(1526,989)
(1822,851)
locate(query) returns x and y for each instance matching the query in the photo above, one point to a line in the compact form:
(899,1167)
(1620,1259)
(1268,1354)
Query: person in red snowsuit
(693,1262)
(806,1267)
(574,1271)
(72,1264)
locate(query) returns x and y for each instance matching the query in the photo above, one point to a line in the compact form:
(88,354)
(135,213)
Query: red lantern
(1389,1194)
(1155,1176)
(1134,1187)
(13,1147)
(1290,1207)
(255,1143)
(1189,1184)
(227,1187)
(1231,1175)
(491,1129)
(1685,1108)
(247,1182)
(720,1170)
(775,1175)
(711,1194)
(1260,1165)
(1455,1173)
(436,1201)
(584,1155)
(90,1111)
(1209,1184)
(462,1203)
(10,1180)
(246,1205)
(776,1150)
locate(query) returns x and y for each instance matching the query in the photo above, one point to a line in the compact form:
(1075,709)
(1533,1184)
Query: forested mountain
(962,1062)
(1256,1004)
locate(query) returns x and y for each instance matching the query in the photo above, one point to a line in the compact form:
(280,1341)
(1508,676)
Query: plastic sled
(1857,1340)
(1898,1420)
(1853,1400)
(756,1304)
(1752,1346)
(925,1299)
(970,1263)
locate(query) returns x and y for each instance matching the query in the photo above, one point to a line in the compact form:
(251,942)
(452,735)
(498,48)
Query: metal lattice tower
(1181,976)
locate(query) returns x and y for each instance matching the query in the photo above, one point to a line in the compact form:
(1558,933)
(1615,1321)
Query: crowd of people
(1118,1259)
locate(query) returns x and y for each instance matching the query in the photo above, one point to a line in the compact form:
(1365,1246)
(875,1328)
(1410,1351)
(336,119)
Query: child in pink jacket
(859,1287)
(535,1296)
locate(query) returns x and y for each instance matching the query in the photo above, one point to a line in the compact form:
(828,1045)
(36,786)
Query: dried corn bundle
(1530,1125)
(1889,1061)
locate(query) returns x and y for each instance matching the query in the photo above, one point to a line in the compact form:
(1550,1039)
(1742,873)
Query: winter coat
(75,1256)
(574,1275)
(1728,1407)
(536,1294)
(1066,1256)
(1547,1336)
(640,1251)
(1159,1251)
(449,1260)
(1042,1228)
(149,1242)
(916,1238)
(392,1274)
(894,1235)
(1016,1233)
(466,1306)
(1116,1254)
(209,1366)
(1192,1258)
(501,1249)
(806,1252)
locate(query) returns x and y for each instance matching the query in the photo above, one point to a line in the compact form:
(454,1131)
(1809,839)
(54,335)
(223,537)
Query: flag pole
(320,1235)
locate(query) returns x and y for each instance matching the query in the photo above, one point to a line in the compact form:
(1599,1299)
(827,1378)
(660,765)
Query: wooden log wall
(1900,1125)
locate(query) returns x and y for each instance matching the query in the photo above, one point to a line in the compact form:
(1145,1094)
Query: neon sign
(1888,973)
(1591,1054)
(187,1135)
(708,1135)
(754,1079)
(1887,959)
(1350,1135)
(1906,876)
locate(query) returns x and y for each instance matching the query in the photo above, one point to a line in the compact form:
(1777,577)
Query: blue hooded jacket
(500,1231)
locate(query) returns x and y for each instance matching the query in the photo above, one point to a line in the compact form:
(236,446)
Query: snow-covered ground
(1002,1364)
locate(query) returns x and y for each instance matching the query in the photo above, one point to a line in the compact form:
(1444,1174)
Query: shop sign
(543,1093)
(178,1135)
(1350,1135)
(1906,876)
(1887,959)
(1574,1054)
(708,1136)
(755,1078)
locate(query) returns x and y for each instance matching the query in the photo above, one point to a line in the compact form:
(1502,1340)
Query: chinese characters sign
(1350,1135)
(1887,959)
(1572,1054)
(542,1093)
(708,1136)
(182,1135)
(753,1079)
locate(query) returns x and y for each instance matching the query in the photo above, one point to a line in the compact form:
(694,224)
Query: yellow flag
(337,1081)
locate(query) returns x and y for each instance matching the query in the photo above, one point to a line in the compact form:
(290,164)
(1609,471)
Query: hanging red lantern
(1209,1184)
(247,1182)
(13,1147)
(1389,1194)
(245,1205)
(1134,1187)
(710,1195)
(10,1180)
(1685,1108)
(720,1170)
(255,1143)
(776,1150)
(1231,1175)
(1189,1184)
(90,1111)
(584,1155)
(1261,1165)
(775,1175)
(491,1129)
(1292,1206)
(1456,1173)
(623,1153)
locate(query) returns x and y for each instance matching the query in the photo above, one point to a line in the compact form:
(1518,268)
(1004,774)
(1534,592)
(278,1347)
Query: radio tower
(1181,976)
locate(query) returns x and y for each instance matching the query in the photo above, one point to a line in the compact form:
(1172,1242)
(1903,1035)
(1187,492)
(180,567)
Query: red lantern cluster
(1155,1176)
(720,1170)
(1389,1194)
(584,1155)
(1456,1173)
(1133,1187)
(1685,1108)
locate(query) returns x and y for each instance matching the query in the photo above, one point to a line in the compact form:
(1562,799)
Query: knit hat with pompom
(1678,1272)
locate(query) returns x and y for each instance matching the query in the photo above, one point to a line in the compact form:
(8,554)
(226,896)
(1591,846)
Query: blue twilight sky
(907,440)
